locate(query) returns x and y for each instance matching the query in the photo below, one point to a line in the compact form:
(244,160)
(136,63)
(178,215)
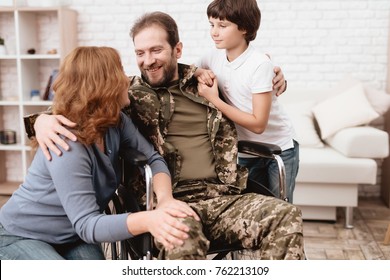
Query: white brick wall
(315,41)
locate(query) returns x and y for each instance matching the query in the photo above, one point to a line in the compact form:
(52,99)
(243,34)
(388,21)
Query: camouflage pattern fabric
(151,110)
(270,228)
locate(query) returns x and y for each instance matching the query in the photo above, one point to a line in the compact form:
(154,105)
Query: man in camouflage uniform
(168,110)
(190,132)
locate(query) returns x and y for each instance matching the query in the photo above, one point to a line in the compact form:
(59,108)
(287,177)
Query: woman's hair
(245,13)
(89,89)
(165,21)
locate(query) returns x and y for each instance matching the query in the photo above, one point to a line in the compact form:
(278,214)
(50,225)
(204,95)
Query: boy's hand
(209,92)
(47,129)
(205,76)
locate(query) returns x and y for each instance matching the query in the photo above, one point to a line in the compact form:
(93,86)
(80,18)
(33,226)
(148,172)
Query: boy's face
(156,59)
(226,34)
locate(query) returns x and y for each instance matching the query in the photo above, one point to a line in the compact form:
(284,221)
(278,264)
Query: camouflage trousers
(269,227)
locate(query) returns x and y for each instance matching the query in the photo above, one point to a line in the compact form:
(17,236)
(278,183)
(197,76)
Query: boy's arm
(205,76)
(255,122)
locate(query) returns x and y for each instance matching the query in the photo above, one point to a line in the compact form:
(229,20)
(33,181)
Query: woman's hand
(166,228)
(177,208)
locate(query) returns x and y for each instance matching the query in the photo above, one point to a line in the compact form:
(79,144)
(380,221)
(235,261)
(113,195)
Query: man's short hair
(245,13)
(161,19)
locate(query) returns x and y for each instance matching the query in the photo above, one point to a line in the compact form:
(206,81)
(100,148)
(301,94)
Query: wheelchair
(141,247)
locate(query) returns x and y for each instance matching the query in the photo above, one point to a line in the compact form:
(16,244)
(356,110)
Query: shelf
(9,103)
(8,56)
(40,9)
(40,56)
(38,103)
(43,29)
(12,147)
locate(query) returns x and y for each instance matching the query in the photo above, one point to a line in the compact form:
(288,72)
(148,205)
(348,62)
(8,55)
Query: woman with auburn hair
(57,212)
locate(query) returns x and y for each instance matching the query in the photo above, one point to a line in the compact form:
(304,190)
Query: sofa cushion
(303,122)
(379,99)
(329,166)
(363,141)
(346,109)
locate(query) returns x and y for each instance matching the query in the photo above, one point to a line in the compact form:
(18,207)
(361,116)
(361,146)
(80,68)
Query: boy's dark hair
(161,19)
(245,13)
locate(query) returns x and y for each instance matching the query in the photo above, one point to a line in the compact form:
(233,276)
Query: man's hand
(279,81)
(205,76)
(47,129)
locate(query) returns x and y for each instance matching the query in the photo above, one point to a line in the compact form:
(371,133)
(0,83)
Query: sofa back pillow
(303,121)
(346,109)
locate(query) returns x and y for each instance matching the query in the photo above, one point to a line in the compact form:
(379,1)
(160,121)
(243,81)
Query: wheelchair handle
(258,148)
(134,157)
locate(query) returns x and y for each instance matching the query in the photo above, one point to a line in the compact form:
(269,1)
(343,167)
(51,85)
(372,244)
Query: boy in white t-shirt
(244,77)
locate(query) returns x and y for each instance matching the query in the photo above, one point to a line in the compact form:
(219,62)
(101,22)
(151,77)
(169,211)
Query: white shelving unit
(43,29)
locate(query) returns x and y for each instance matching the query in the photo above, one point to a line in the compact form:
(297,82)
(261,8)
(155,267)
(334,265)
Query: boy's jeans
(266,172)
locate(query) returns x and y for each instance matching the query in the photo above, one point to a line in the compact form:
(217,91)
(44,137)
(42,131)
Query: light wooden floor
(331,241)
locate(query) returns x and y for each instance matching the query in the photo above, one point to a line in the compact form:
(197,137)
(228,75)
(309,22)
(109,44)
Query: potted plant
(2,47)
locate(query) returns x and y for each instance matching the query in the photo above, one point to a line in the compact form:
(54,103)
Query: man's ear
(179,49)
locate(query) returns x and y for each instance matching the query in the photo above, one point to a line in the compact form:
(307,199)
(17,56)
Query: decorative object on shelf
(31,51)
(52,51)
(34,94)
(7,136)
(3,50)
(49,94)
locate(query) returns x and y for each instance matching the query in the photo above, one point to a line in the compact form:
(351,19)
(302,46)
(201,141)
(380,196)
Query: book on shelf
(49,93)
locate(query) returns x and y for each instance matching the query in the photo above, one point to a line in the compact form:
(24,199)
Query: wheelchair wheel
(115,250)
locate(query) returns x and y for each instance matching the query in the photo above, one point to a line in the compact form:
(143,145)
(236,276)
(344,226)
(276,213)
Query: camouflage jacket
(151,110)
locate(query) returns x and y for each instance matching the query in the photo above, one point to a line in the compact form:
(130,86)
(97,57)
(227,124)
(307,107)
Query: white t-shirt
(250,73)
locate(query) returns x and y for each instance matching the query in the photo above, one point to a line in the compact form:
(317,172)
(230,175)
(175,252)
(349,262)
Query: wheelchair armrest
(134,157)
(258,148)
(268,151)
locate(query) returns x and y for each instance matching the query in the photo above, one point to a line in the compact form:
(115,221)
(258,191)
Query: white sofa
(332,168)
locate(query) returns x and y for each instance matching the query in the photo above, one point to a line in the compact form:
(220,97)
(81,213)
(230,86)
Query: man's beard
(168,74)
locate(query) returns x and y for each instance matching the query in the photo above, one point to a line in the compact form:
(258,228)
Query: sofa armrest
(360,142)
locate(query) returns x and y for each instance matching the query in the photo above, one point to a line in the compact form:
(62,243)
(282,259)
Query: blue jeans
(14,247)
(266,172)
